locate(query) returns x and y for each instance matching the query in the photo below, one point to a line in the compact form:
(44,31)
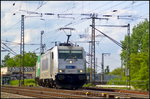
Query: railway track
(41,92)
(120,93)
(45,92)
(117,90)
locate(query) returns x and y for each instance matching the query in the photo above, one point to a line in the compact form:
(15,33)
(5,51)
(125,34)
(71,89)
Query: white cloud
(9,33)
(5,6)
(8,20)
(126,12)
(120,12)
(29,35)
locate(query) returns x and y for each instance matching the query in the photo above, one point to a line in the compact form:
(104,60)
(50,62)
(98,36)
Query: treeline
(139,57)
(29,60)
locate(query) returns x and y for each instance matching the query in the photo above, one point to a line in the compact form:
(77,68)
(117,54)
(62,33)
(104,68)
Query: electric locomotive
(63,66)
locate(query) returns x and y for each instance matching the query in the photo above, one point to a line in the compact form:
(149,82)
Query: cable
(19,43)
(10,49)
(12,26)
(127,7)
(81,22)
(9,10)
(40,5)
(92,10)
(56,37)
(10,41)
(70,8)
(100,6)
(65,25)
(7,50)
(36,49)
(76,21)
(119,44)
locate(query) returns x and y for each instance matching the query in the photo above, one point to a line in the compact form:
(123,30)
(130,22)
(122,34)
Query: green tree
(118,80)
(117,71)
(88,70)
(11,62)
(139,70)
(29,60)
(6,58)
(139,48)
(139,37)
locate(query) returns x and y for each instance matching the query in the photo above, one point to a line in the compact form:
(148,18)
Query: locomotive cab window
(70,54)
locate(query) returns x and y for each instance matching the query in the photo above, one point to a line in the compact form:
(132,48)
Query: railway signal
(102,77)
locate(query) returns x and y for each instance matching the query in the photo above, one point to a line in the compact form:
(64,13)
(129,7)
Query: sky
(68,14)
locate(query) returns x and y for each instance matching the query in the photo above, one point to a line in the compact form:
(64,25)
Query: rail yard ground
(42,92)
(10,95)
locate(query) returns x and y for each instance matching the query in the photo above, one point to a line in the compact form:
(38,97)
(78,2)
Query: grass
(27,82)
(89,85)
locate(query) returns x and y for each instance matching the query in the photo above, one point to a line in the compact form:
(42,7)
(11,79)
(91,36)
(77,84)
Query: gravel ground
(9,95)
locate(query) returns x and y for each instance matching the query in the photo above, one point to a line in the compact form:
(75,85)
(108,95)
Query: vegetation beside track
(27,82)
(89,85)
(139,59)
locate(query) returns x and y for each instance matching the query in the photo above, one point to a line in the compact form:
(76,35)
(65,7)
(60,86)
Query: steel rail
(34,92)
(80,93)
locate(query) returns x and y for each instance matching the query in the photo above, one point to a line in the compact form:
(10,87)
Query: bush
(27,82)
(88,85)
(14,82)
(117,81)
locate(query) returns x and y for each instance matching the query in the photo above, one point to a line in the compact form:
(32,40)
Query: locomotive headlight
(70,61)
(60,71)
(81,71)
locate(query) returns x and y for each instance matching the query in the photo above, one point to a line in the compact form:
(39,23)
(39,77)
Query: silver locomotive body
(62,67)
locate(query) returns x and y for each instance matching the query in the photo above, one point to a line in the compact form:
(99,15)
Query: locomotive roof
(70,47)
(64,47)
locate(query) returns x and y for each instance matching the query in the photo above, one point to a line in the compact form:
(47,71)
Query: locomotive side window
(45,64)
(71,54)
(52,55)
